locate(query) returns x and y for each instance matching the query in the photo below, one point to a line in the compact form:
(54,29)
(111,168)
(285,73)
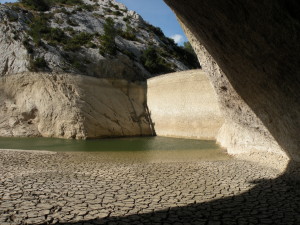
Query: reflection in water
(148,149)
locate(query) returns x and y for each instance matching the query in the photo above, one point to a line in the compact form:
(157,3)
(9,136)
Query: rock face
(71,106)
(250,51)
(98,39)
(71,38)
(184,105)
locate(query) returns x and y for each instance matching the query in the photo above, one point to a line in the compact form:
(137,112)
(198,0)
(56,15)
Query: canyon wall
(71,106)
(184,105)
(64,53)
(250,51)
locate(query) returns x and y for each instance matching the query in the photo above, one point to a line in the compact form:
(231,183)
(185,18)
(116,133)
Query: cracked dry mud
(90,188)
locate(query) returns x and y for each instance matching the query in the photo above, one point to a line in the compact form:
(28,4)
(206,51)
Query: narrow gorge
(257,94)
(106,120)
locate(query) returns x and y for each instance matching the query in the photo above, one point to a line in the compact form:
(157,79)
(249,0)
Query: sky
(157,13)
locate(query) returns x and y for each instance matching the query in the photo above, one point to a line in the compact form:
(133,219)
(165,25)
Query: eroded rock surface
(250,51)
(71,106)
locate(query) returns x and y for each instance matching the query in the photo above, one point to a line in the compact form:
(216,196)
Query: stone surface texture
(92,188)
(184,105)
(71,106)
(250,51)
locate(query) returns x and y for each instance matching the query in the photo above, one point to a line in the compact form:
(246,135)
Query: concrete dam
(185,105)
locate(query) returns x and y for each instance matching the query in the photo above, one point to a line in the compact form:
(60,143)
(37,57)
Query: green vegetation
(156,30)
(108,44)
(28,46)
(184,53)
(37,64)
(39,29)
(56,36)
(154,63)
(58,20)
(62,10)
(129,33)
(78,40)
(38,5)
(128,53)
(65,2)
(188,47)
(117,13)
(72,23)
(187,56)
(70,30)
(78,65)
(114,6)
(85,7)
(154,58)
(170,49)
(45,5)
(11,17)
(96,15)
(127,19)
(108,11)
(77,62)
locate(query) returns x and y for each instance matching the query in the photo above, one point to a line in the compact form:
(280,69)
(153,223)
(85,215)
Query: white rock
(70,106)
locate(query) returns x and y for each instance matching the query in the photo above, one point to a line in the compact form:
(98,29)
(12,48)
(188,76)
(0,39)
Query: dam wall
(184,104)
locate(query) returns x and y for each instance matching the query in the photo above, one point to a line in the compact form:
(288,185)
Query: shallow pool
(145,148)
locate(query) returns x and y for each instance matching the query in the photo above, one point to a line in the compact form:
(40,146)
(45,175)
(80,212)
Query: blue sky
(159,14)
(155,12)
(4,1)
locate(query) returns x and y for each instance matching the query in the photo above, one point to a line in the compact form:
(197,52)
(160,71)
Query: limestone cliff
(184,105)
(96,38)
(47,47)
(71,106)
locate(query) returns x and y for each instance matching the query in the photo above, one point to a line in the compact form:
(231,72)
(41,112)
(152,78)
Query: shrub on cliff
(108,44)
(65,2)
(156,30)
(186,55)
(39,5)
(183,53)
(78,41)
(37,64)
(188,47)
(28,46)
(45,5)
(129,33)
(85,7)
(154,63)
(39,29)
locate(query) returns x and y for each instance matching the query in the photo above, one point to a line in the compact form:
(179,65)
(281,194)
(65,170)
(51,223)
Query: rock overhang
(251,51)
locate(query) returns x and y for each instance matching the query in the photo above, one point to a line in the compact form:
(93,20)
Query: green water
(150,148)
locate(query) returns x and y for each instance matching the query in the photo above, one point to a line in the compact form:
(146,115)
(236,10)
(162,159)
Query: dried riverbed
(90,188)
